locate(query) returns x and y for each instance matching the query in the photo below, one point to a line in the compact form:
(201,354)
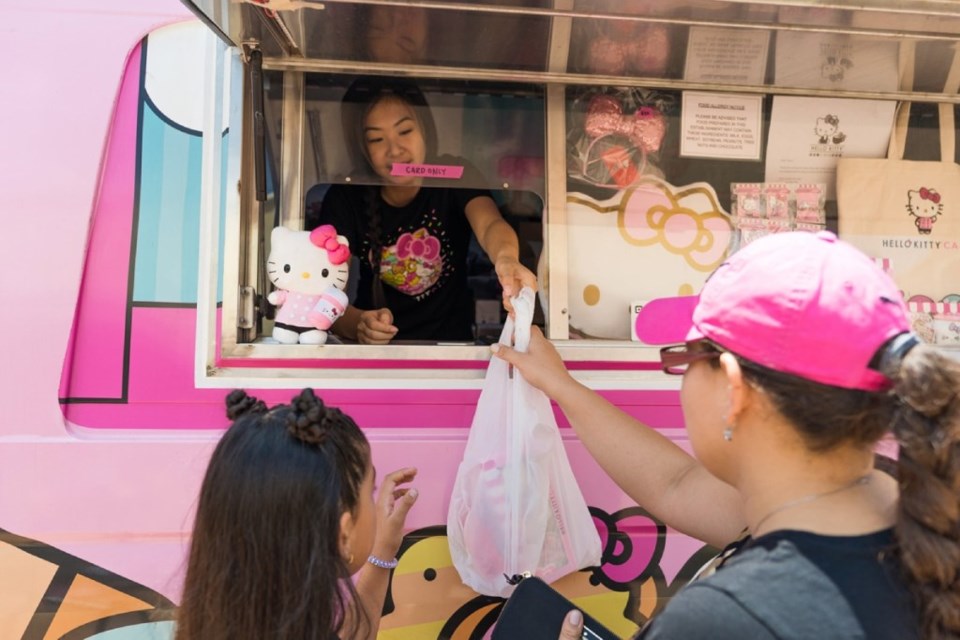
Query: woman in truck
(410,229)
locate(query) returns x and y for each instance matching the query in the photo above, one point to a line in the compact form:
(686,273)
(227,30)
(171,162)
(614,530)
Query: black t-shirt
(423,263)
(795,584)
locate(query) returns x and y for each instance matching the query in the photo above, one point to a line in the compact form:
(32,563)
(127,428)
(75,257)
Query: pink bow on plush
(930,194)
(645,128)
(325,237)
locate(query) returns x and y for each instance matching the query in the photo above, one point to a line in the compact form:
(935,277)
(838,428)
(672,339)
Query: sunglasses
(675,358)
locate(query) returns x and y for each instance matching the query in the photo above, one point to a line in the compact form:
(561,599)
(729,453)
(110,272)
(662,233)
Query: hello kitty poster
(808,136)
(649,241)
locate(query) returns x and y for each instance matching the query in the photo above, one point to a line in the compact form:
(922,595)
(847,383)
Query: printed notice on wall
(720,125)
(733,56)
(808,136)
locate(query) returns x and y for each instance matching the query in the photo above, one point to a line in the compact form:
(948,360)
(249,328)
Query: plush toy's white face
(296,264)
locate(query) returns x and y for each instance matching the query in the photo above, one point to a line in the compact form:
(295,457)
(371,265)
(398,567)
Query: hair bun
(239,403)
(309,419)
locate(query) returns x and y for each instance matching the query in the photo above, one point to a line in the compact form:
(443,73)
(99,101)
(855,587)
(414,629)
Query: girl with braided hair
(412,239)
(797,359)
(286,517)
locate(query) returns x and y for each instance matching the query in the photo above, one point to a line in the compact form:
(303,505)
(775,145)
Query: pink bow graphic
(325,237)
(655,213)
(419,244)
(930,194)
(645,128)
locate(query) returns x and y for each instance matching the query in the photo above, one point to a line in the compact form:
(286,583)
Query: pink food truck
(152,148)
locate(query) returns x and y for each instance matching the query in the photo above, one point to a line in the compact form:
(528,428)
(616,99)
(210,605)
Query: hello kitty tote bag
(516,506)
(906,214)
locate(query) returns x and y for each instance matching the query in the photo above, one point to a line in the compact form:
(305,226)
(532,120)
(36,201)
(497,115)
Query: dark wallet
(535,611)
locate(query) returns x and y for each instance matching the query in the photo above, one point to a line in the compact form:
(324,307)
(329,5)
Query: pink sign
(451,172)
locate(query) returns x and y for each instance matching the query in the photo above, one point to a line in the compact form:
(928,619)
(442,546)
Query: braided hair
(265,558)
(926,422)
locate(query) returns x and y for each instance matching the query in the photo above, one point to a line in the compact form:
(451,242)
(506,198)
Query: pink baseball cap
(801,303)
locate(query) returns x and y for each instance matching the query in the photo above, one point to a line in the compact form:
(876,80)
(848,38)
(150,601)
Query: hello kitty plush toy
(309,270)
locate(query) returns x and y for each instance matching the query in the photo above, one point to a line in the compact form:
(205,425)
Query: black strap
(891,354)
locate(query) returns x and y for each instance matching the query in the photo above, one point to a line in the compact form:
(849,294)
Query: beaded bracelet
(383,564)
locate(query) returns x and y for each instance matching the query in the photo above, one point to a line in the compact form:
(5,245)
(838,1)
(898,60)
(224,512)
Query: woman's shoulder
(337,204)
(785,575)
(762,593)
(704,610)
(348,192)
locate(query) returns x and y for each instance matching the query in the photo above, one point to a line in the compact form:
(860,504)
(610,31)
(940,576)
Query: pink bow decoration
(418,244)
(684,220)
(930,194)
(325,237)
(645,128)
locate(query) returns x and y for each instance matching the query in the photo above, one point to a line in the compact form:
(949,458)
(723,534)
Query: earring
(728,434)
(350,559)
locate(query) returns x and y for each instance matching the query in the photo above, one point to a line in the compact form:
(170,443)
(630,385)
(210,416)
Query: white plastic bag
(516,506)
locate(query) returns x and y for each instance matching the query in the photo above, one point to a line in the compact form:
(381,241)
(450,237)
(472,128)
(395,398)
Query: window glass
(481,142)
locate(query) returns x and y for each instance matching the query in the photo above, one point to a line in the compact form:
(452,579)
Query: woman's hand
(376,327)
(540,365)
(572,628)
(514,276)
(393,504)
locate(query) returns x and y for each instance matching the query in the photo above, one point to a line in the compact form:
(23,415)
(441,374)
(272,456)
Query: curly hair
(265,558)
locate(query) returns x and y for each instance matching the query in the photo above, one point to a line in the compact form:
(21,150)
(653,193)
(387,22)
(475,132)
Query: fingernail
(575,617)
(413,493)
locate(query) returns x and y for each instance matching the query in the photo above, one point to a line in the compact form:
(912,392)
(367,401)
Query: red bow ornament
(645,128)
(930,194)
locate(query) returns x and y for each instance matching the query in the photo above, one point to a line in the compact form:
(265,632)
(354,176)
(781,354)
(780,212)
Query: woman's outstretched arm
(656,473)
(499,242)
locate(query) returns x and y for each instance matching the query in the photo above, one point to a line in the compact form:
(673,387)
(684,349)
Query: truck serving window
(630,153)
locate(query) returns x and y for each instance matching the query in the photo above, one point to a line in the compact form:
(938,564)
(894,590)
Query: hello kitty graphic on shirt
(925,207)
(418,260)
(413,264)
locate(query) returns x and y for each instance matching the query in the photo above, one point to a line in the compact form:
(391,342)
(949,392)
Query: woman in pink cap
(797,360)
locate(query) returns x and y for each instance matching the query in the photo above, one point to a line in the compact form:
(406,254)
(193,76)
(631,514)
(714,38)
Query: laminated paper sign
(808,136)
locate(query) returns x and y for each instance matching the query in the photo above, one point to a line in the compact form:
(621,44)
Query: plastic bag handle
(516,330)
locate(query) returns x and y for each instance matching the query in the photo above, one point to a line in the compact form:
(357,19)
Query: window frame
(226,359)
(229,360)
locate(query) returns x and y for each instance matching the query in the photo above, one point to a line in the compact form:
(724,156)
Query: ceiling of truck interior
(563,40)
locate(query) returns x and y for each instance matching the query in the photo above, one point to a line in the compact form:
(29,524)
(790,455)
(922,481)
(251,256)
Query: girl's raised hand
(393,504)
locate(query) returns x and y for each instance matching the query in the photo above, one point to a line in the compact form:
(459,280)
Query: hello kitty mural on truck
(105,433)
